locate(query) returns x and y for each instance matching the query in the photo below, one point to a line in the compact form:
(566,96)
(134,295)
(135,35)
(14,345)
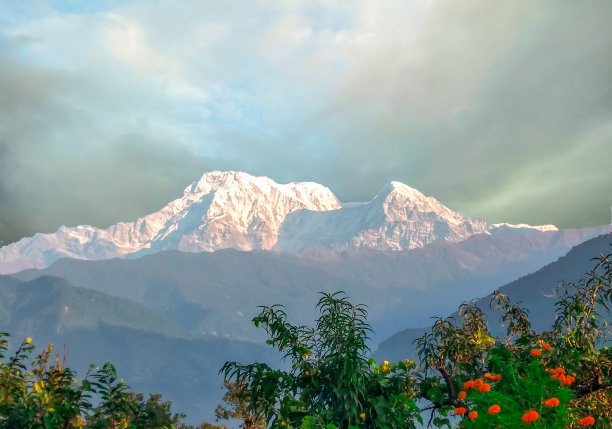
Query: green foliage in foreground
(48,395)
(555,379)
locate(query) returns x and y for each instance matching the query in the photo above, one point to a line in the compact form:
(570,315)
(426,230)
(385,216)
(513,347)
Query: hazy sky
(499,109)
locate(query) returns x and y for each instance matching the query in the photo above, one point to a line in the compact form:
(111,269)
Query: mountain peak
(399,188)
(232,209)
(215,180)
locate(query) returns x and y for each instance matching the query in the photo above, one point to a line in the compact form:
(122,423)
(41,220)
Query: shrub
(558,378)
(332,383)
(50,396)
(549,379)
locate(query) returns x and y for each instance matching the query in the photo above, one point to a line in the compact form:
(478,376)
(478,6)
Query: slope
(533,291)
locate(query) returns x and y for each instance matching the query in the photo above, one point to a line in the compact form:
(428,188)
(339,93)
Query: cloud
(496,109)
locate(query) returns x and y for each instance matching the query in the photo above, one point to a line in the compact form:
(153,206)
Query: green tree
(332,383)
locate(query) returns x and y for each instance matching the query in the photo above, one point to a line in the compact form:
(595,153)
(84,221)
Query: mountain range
(236,210)
(169,297)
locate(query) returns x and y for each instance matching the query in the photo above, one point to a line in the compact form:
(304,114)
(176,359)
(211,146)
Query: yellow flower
(283,423)
(307,372)
(51,409)
(28,340)
(386,363)
(362,415)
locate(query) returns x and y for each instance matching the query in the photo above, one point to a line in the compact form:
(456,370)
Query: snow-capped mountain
(237,210)
(398,218)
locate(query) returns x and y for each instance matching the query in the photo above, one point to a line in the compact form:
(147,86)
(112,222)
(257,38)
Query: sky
(109,109)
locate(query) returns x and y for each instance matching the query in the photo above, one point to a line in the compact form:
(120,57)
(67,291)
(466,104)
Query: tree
(332,383)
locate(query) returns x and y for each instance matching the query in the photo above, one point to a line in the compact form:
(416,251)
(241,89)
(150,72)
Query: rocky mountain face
(236,210)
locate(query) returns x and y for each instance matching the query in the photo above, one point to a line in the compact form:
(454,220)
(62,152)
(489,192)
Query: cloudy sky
(109,109)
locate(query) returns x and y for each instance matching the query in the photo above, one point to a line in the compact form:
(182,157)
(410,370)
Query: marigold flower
(569,380)
(362,415)
(472,415)
(530,416)
(468,385)
(283,423)
(307,372)
(478,383)
(28,340)
(536,353)
(460,410)
(551,403)
(492,376)
(547,347)
(462,394)
(587,421)
(484,388)
(494,409)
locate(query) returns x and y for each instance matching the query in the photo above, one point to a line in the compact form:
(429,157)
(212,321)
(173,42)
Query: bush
(332,383)
(50,396)
(549,379)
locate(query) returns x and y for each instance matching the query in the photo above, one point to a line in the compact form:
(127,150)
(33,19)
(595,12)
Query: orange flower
(459,411)
(569,380)
(484,388)
(587,421)
(478,383)
(472,415)
(547,347)
(492,377)
(462,394)
(530,416)
(551,403)
(468,385)
(536,353)
(494,409)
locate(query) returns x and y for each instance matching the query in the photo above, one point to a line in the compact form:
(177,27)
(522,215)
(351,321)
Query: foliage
(549,379)
(50,396)
(332,383)
(558,378)
(238,408)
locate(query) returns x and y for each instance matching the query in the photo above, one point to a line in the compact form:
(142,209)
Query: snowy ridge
(398,218)
(237,210)
(221,210)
